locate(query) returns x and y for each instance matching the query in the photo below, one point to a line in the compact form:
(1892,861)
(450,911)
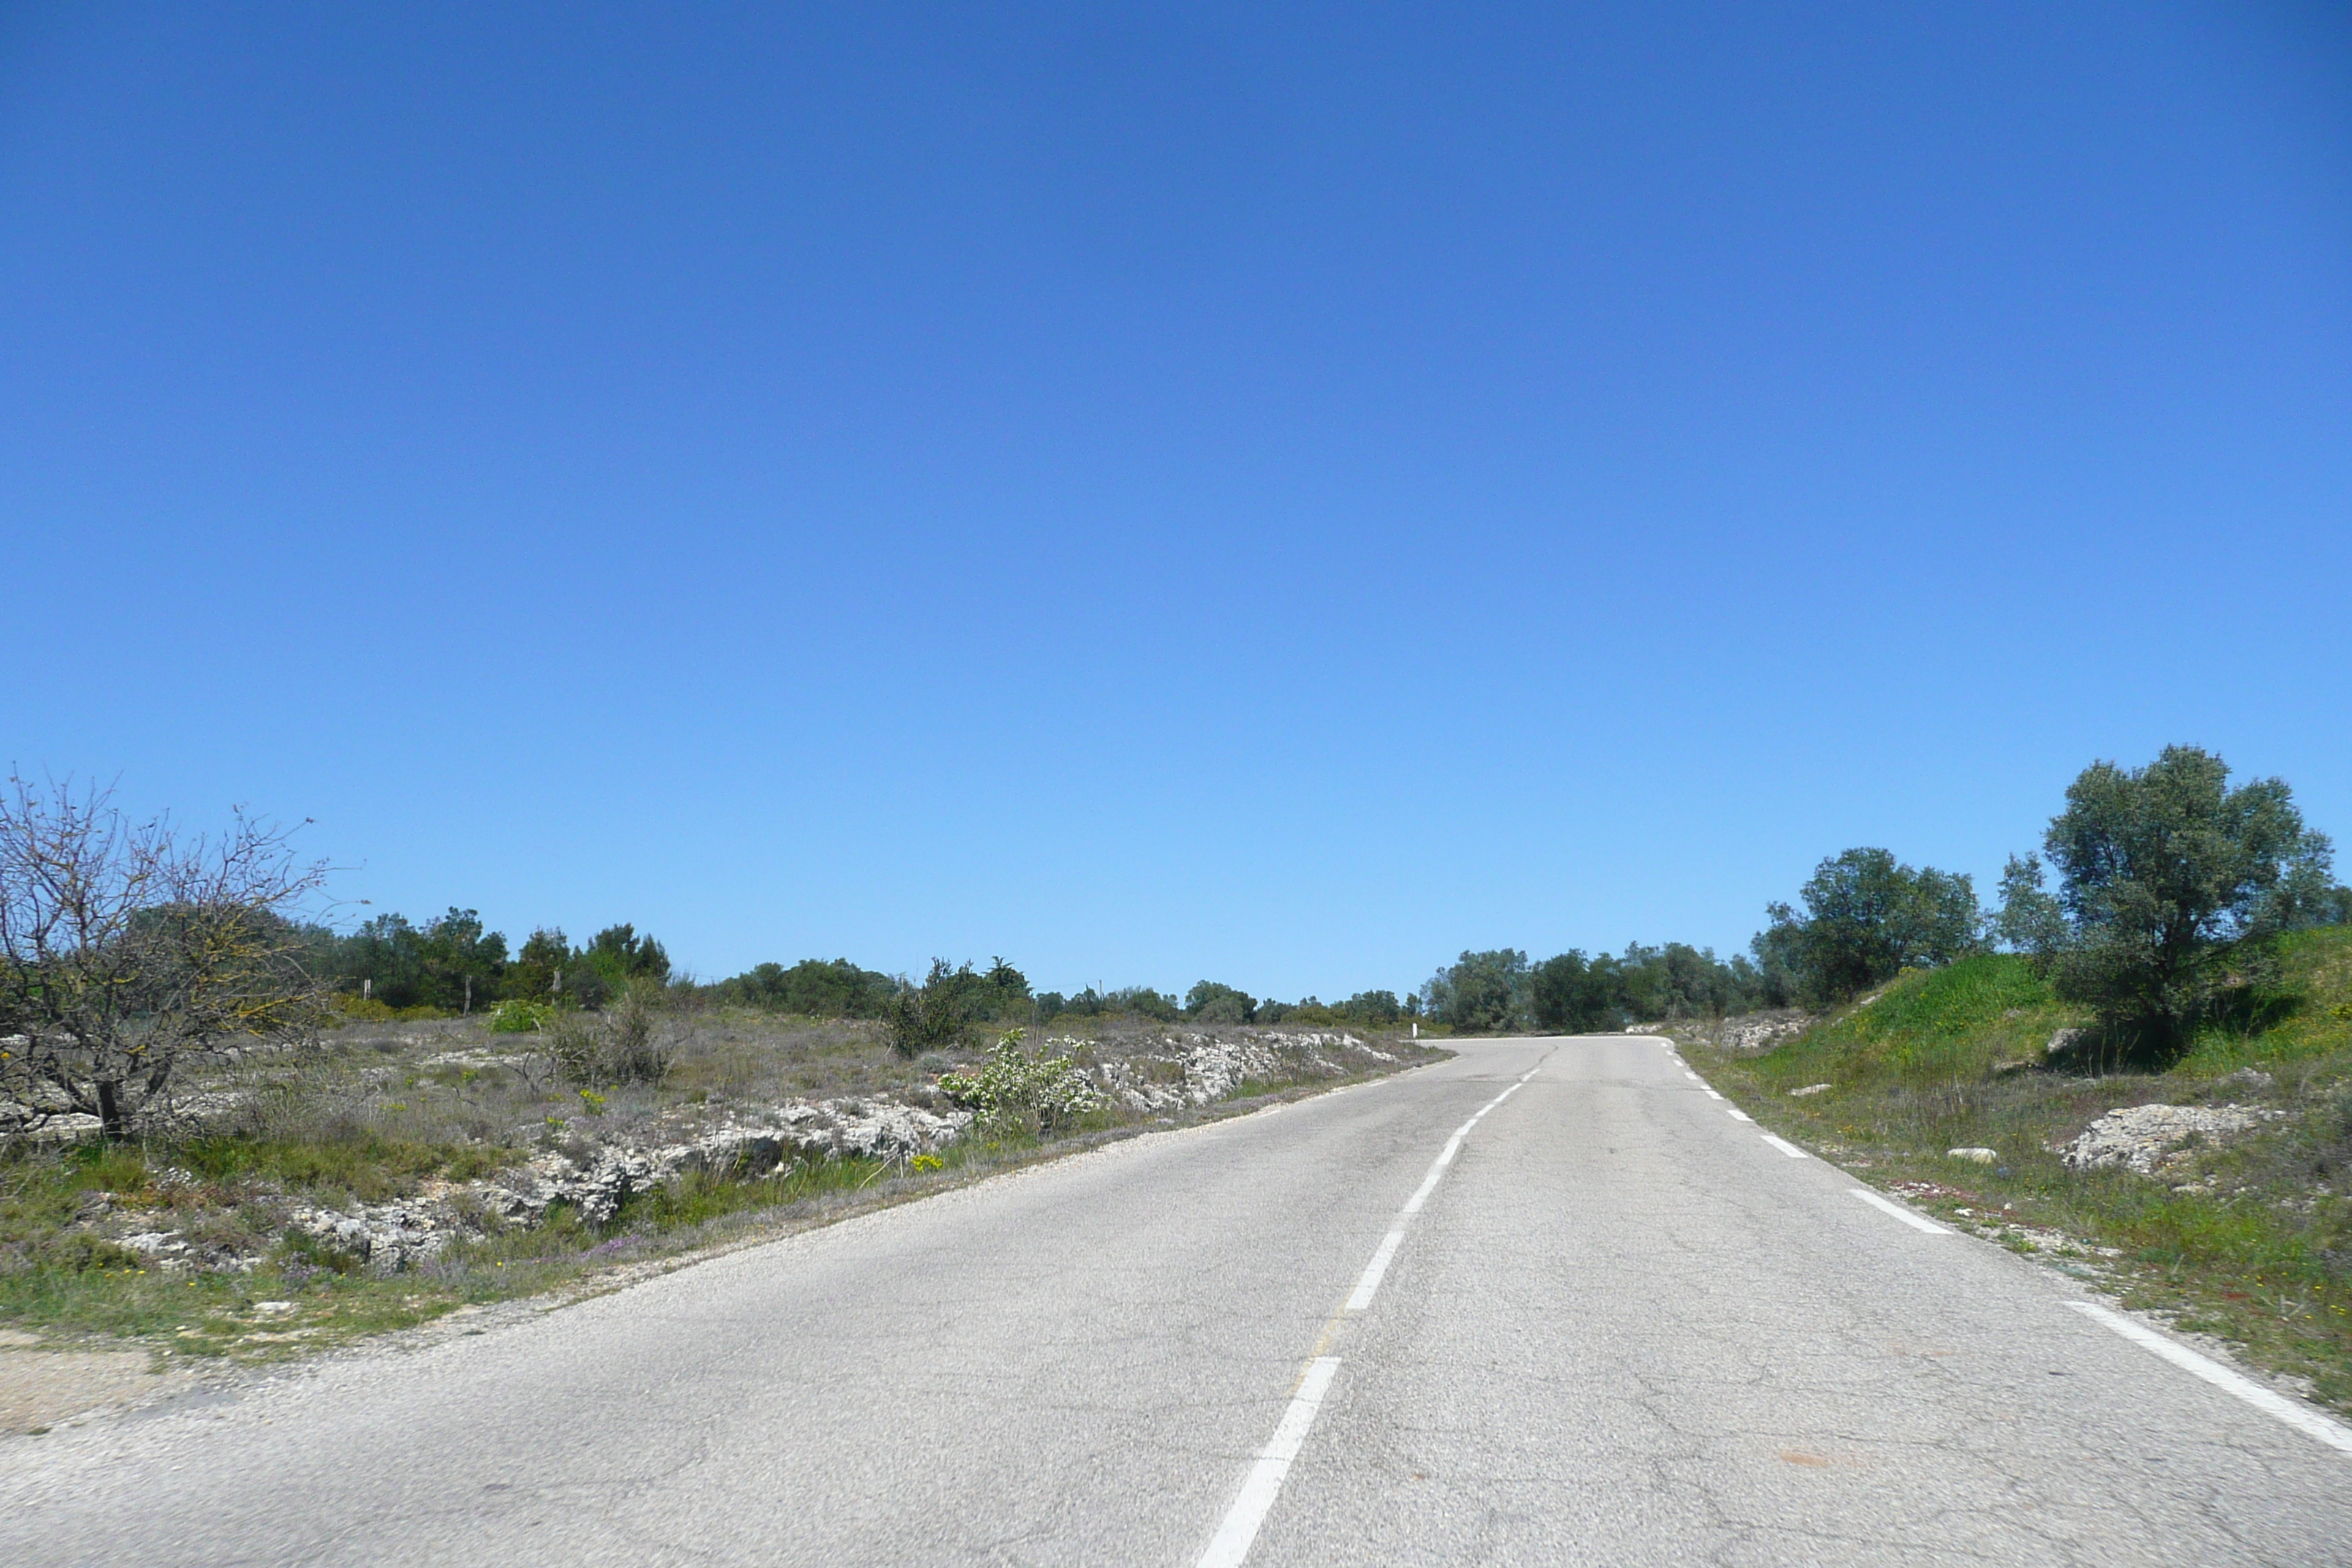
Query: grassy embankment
(373,1116)
(2249,1240)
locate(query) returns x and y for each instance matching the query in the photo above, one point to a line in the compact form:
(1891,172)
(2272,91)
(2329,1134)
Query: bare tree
(126,949)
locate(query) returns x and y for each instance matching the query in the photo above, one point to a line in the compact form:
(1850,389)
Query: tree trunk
(111,1120)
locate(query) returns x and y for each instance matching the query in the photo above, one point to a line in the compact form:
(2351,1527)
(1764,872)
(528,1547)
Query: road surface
(1617,1325)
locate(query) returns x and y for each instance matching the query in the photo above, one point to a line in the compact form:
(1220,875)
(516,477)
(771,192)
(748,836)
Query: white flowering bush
(1014,1084)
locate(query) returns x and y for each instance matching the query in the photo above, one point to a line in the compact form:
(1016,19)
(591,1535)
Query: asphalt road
(1620,1328)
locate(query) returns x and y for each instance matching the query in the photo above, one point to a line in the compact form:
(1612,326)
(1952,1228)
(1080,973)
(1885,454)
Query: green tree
(383,959)
(1008,989)
(2029,921)
(459,961)
(1211,1002)
(624,958)
(1480,993)
(1143,1001)
(814,987)
(1568,994)
(1867,918)
(544,956)
(2160,867)
(440,965)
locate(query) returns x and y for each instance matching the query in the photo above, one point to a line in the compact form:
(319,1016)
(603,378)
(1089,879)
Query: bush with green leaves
(517,1017)
(930,1017)
(1014,1084)
(1213,1001)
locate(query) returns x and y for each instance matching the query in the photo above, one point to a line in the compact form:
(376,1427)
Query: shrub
(517,1017)
(631,1043)
(1011,1082)
(918,1018)
(82,1252)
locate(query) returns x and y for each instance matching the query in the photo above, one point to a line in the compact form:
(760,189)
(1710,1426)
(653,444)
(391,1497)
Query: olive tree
(126,948)
(1867,918)
(2161,866)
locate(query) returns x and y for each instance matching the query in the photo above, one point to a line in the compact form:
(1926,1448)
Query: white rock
(1980,1155)
(1809,1089)
(2138,1137)
(155,1243)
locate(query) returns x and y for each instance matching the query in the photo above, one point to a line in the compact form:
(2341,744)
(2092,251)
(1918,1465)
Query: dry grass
(388,1110)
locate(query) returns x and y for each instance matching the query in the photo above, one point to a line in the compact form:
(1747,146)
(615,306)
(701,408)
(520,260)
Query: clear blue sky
(1275,493)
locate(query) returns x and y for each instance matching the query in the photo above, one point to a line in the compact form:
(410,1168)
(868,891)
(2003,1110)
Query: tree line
(125,945)
(1001,993)
(2169,880)
(453,964)
(2157,869)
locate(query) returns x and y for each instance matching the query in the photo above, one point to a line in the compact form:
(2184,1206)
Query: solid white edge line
(1229,1548)
(1379,1266)
(1738,1114)
(2310,1422)
(1785,1147)
(1889,1205)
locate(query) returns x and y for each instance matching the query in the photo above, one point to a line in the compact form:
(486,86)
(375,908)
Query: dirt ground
(43,1388)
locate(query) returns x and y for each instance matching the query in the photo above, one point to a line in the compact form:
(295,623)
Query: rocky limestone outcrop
(597,1166)
(399,1233)
(1200,1069)
(388,1235)
(2140,1138)
(1760,1034)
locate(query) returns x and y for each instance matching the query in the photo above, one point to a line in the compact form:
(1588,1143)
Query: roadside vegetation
(2143,1075)
(385,1173)
(227,1128)
(227,1131)
(1942,1088)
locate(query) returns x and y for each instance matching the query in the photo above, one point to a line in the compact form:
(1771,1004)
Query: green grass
(2262,1256)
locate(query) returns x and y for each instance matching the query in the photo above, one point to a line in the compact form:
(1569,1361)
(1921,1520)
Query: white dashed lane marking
(1890,1206)
(1229,1548)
